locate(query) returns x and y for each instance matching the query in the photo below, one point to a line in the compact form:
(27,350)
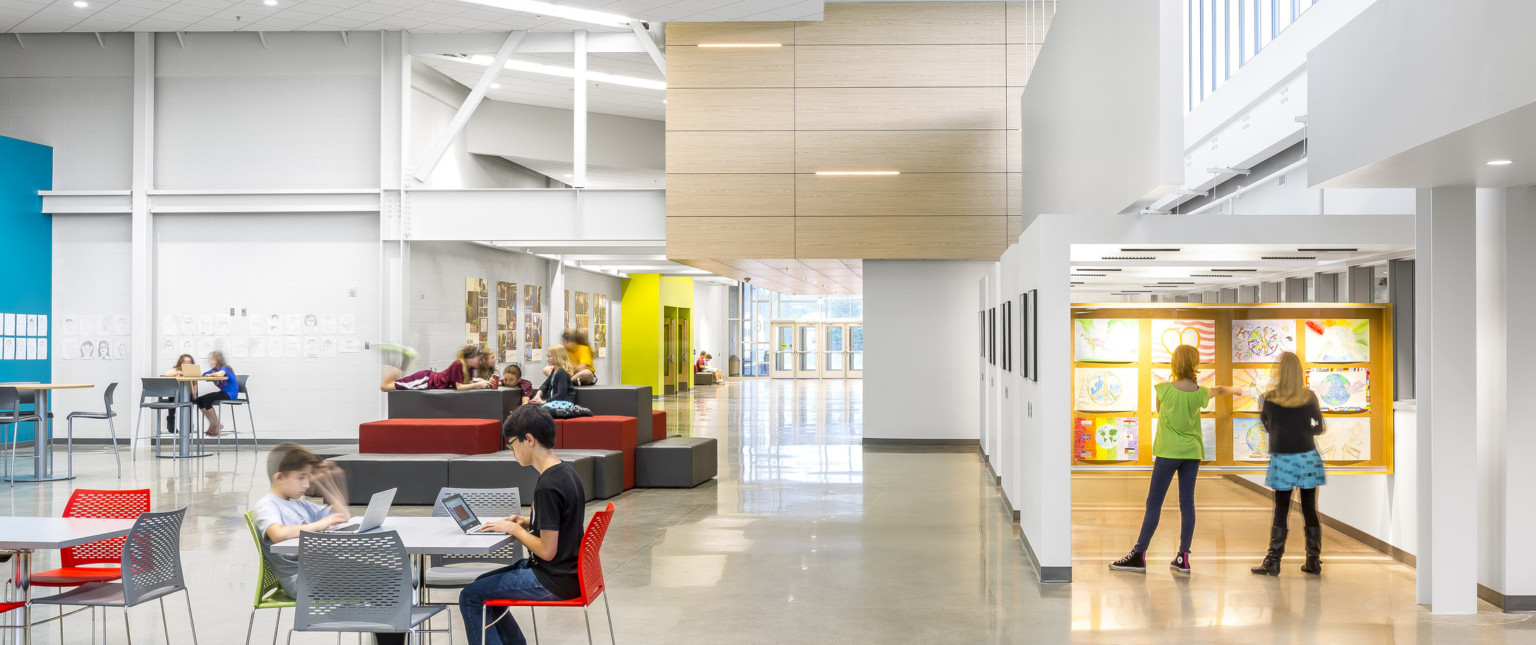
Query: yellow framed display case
(1120,350)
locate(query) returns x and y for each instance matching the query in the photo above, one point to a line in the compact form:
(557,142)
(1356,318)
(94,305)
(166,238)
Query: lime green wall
(641,346)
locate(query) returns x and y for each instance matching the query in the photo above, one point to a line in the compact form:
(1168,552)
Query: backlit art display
(1121,351)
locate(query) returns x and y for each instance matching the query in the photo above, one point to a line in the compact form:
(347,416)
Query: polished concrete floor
(808,537)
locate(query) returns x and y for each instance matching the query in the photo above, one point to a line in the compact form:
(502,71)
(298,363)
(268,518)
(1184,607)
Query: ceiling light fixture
(269,3)
(1321,250)
(1500,162)
(862,173)
(1287,257)
(558,11)
(1134,250)
(495,86)
(81,4)
(566,72)
(740,45)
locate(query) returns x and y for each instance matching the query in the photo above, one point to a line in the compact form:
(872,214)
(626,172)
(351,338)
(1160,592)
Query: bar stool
(11,415)
(153,390)
(111,427)
(243,400)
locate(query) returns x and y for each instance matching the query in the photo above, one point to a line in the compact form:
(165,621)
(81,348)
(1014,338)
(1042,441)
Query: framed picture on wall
(1024,336)
(1008,336)
(1034,335)
(992,335)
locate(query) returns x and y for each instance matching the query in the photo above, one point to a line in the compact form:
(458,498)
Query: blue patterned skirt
(1295,470)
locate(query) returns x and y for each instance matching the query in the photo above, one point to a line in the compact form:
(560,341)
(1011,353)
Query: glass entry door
(855,350)
(834,361)
(807,350)
(783,350)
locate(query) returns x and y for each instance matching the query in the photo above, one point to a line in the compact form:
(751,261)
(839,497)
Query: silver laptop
(378,509)
(465,517)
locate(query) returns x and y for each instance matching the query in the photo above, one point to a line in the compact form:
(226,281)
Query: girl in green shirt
(1178,448)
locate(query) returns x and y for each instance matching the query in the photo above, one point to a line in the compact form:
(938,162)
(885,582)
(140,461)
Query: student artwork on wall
(533,322)
(506,322)
(1338,341)
(583,309)
(1207,437)
(475,312)
(1341,389)
(1253,383)
(1106,340)
(1169,334)
(1105,438)
(1007,336)
(1204,378)
(1262,341)
(1345,439)
(1102,389)
(600,324)
(1249,440)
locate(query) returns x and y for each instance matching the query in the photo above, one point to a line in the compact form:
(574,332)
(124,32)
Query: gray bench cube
(703,378)
(453,404)
(620,401)
(676,462)
(419,477)
(607,470)
(501,470)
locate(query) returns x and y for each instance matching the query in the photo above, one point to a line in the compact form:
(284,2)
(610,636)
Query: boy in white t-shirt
(283,512)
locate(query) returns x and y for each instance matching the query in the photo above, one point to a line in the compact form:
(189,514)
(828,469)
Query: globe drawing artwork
(1334,390)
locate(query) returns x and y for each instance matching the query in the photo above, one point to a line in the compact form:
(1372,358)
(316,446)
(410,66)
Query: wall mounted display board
(1121,351)
(1007,336)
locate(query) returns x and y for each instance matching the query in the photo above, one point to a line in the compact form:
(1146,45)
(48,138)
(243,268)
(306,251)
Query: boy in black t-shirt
(552,535)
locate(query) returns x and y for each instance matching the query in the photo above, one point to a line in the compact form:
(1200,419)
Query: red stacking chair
(105,504)
(589,571)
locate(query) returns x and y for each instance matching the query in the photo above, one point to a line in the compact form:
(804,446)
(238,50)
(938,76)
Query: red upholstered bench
(658,425)
(605,433)
(430,436)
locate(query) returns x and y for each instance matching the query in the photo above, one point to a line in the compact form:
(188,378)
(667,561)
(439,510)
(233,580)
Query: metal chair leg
(277,626)
(116,454)
(190,620)
(249,625)
(165,623)
(252,418)
(587,617)
(612,635)
(127,628)
(69,450)
(534,616)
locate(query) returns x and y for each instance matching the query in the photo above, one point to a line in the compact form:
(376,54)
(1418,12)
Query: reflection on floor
(808,537)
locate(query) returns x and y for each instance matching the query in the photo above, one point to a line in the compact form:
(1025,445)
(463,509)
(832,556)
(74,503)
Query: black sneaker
(1181,563)
(1135,562)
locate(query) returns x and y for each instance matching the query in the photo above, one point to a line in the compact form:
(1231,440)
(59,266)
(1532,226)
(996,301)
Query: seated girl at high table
(458,375)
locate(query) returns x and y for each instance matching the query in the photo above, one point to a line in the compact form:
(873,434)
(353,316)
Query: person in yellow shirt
(580,349)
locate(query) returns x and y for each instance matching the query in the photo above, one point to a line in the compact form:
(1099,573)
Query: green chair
(269,594)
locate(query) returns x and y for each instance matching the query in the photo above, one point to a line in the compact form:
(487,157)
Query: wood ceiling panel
(730,237)
(1028,22)
(1021,61)
(932,195)
(701,195)
(901,237)
(1015,156)
(898,66)
(731,109)
(906,151)
(906,23)
(730,152)
(693,33)
(949,108)
(693,67)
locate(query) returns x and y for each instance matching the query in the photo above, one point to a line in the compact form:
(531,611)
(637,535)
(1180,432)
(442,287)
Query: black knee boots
(1271,564)
(1314,563)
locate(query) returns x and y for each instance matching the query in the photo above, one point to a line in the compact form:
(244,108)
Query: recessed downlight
(269,3)
(1495,162)
(81,4)
(494,86)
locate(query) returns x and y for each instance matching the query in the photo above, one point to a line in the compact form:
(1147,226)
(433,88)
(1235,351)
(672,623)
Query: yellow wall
(645,295)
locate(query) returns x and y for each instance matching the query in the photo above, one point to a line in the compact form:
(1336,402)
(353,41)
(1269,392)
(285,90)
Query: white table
(26,534)
(424,536)
(42,433)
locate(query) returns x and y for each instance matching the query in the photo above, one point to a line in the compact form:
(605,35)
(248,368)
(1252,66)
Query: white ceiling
(558,92)
(440,16)
(1202,267)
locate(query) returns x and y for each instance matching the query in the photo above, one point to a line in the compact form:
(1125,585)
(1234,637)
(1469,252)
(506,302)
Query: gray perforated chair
(151,571)
(357,583)
(12,415)
(457,571)
(107,414)
(243,401)
(150,395)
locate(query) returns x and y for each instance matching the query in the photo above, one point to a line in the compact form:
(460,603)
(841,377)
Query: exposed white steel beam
(538,42)
(649,45)
(141,222)
(578,111)
(263,36)
(461,118)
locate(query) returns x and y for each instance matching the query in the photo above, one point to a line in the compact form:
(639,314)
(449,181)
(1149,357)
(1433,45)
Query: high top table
(424,536)
(42,436)
(184,418)
(26,534)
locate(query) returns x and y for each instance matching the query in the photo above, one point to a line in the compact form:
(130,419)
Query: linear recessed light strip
(858,173)
(566,72)
(1327,250)
(740,45)
(559,11)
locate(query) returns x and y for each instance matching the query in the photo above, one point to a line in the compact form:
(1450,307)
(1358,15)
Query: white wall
(68,92)
(942,331)
(711,322)
(1493,390)
(434,100)
(515,130)
(436,300)
(1519,523)
(90,278)
(301,111)
(1096,123)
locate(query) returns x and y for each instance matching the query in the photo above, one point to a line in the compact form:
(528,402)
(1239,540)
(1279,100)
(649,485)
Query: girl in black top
(557,386)
(1292,417)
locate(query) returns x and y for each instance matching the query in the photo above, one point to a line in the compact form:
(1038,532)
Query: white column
(141,340)
(579,112)
(554,325)
(1445,377)
(1519,523)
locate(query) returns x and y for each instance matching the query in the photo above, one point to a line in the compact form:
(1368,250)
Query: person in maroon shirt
(513,377)
(458,374)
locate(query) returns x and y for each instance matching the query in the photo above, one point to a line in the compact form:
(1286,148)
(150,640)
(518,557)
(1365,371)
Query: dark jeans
(514,582)
(1162,475)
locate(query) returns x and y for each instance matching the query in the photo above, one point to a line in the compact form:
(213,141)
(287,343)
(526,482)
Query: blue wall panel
(26,257)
